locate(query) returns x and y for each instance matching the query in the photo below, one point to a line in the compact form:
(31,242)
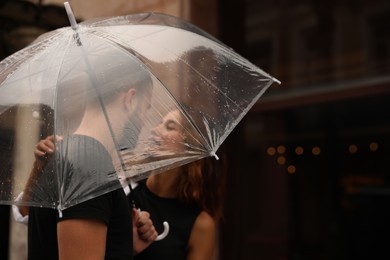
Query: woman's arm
(43,152)
(203,237)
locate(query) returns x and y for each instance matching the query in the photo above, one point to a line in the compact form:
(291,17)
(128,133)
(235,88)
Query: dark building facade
(309,171)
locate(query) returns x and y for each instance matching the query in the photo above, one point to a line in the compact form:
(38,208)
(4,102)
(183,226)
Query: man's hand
(144,232)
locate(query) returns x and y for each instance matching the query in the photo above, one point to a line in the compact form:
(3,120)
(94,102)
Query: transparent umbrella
(45,89)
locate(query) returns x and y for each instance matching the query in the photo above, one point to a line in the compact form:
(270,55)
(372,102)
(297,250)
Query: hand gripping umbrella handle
(164,233)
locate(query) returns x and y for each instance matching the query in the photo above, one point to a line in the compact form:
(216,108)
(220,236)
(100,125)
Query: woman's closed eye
(171,125)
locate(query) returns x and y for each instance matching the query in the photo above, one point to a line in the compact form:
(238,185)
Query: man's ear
(130,101)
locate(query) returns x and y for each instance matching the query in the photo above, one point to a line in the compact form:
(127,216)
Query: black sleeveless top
(180,216)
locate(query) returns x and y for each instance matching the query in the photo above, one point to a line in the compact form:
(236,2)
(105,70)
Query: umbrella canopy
(46,89)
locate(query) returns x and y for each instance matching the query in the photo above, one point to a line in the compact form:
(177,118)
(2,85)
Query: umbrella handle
(164,233)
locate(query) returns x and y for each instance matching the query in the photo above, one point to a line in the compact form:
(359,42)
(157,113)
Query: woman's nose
(155,131)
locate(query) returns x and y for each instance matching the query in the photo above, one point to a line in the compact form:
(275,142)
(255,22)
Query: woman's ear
(130,102)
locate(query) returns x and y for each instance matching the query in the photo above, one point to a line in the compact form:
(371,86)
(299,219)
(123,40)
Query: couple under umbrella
(110,83)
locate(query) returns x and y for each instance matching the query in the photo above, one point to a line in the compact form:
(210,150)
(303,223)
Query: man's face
(135,122)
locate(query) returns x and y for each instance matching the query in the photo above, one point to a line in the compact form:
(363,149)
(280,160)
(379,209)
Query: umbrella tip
(71,17)
(276,80)
(59,211)
(214,155)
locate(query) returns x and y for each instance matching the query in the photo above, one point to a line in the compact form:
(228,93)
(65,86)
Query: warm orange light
(352,148)
(271,151)
(291,169)
(374,146)
(281,149)
(299,150)
(281,160)
(316,150)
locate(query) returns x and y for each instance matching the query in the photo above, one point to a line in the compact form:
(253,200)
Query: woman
(188,198)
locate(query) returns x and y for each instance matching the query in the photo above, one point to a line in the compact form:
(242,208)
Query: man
(118,95)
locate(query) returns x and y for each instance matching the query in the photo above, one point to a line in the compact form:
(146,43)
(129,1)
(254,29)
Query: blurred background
(308,167)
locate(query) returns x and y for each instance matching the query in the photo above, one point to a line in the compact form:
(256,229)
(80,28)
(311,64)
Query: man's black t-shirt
(111,208)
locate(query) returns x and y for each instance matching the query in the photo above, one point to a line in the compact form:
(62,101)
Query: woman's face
(168,135)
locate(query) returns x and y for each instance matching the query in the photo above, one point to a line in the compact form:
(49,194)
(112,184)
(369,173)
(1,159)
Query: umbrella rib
(60,187)
(94,84)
